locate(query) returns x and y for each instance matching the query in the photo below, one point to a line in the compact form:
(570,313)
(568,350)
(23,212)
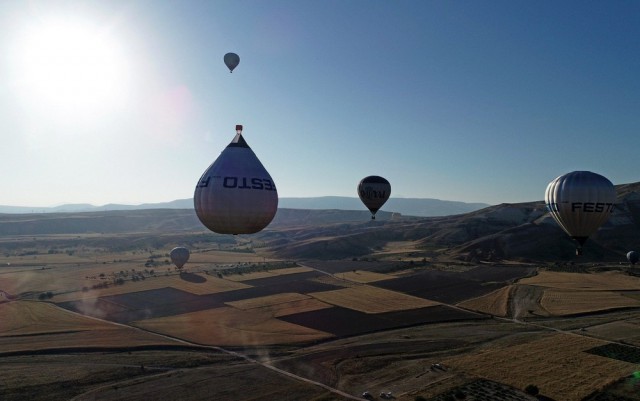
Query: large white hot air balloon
(179,256)
(580,202)
(374,192)
(236,194)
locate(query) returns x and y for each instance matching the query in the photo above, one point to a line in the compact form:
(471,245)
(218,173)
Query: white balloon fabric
(236,194)
(374,192)
(580,202)
(179,256)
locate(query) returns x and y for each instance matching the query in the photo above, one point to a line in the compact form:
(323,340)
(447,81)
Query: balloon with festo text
(236,194)
(580,202)
(374,192)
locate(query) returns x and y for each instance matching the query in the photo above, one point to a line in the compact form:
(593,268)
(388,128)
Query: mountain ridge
(424,207)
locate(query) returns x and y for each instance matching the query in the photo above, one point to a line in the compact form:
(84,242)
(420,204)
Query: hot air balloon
(236,194)
(633,257)
(179,256)
(231,60)
(374,192)
(580,202)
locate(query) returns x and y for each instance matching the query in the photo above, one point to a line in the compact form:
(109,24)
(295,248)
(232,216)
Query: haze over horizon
(128,102)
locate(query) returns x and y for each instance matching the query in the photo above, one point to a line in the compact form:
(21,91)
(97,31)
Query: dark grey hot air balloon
(374,192)
(236,194)
(633,257)
(580,202)
(231,60)
(179,256)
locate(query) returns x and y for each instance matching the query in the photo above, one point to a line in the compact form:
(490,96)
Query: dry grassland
(495,303)
(229,326)
(64,272)
(363,276)
(394,248)
(370,299)
(212,285)
(270,273)
(281,304)
(607,281)
(215,256)
(563,302)
(31,325)
(555,363)
(62,278)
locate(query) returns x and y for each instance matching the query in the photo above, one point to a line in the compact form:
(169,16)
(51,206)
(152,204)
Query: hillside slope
(522,231)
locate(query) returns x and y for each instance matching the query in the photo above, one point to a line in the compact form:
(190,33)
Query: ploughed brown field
(352,326)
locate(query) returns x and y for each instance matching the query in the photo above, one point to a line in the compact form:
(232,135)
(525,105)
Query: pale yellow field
(212,285)
(32,325)
(362,276)
(580,281)
(369,299)
(563,302)
(229,326)
(270,273)
(556,364)
(495,303)
(281,304)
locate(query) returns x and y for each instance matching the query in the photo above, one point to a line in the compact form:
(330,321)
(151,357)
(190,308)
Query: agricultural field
(228,326)
(495,303)
(352,324)
(558,364)
(560,302)
(626,331)
(606,281)
(32,325)
(369,299)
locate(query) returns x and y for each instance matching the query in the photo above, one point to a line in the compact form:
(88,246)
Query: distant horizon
(182,199)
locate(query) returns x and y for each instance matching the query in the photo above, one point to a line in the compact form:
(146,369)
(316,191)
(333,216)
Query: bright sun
(69,67)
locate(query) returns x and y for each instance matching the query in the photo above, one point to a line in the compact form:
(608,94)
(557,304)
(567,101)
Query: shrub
(532,389)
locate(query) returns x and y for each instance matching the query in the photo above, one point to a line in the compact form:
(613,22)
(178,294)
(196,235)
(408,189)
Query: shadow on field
(192,278)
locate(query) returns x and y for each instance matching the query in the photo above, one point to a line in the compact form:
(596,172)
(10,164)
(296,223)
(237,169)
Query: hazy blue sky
(478,101)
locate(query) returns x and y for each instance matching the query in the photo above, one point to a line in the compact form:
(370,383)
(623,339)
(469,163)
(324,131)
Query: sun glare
(69,67)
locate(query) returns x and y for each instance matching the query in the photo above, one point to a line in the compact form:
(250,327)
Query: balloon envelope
(633,257)
(179,256)
(236,194)
(374,192)
(231,60)
(580,202)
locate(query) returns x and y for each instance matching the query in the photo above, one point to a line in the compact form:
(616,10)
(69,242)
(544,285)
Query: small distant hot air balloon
(633,257)
(231,60)
(236,194)
(580,202)
(179,256)
(374,192)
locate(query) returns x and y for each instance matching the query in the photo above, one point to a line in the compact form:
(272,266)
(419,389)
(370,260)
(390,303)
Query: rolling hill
(406,206)
(522,231)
